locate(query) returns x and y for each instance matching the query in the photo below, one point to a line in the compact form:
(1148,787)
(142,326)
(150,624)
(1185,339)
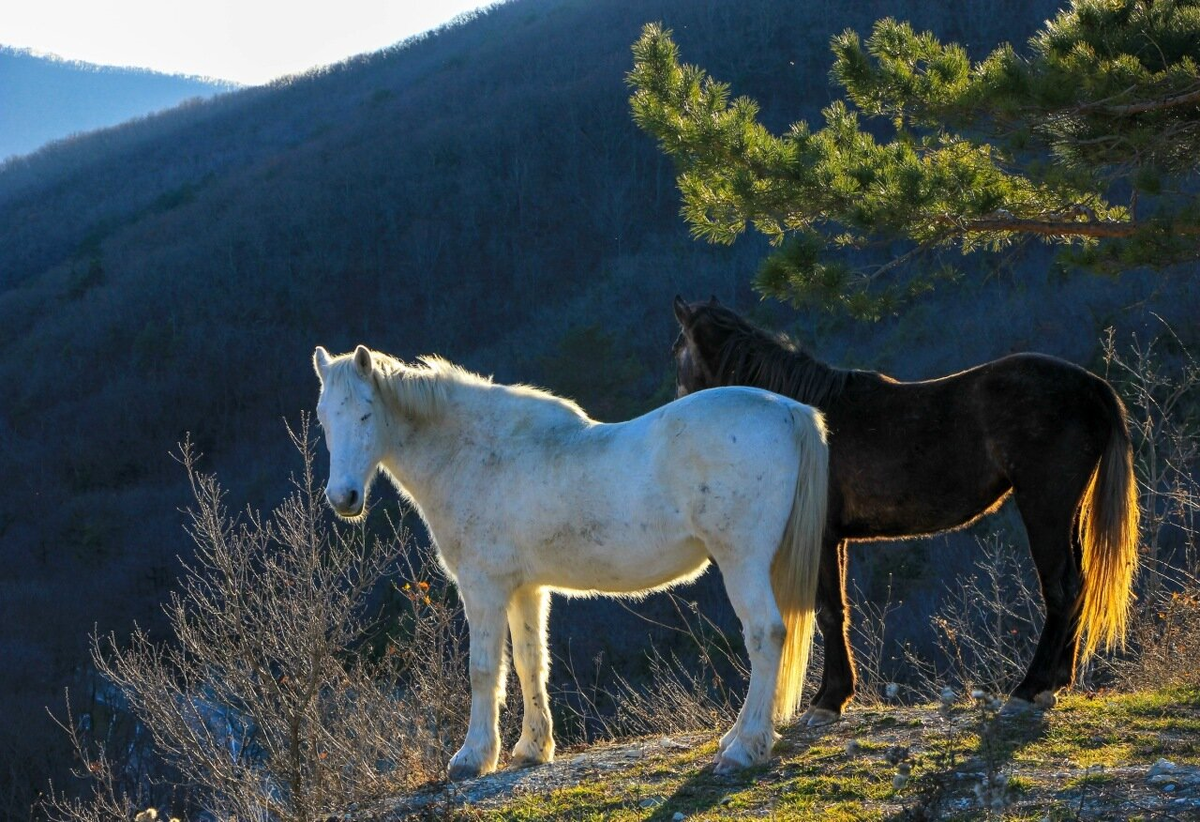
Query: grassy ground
(1087,758)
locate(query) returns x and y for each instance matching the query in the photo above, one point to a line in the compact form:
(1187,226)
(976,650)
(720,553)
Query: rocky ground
(1093,757)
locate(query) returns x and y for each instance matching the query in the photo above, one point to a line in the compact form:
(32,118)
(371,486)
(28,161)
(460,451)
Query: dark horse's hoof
(1046,700)
(1015,706)
(818,717)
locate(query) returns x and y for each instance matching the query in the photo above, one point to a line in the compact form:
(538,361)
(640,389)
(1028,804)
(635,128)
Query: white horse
(523,494)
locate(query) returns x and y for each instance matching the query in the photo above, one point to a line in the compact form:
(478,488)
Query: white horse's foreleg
(485,606)
(753,736)
(527,614)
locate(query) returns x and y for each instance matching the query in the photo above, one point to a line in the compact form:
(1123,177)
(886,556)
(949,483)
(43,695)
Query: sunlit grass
(842,773)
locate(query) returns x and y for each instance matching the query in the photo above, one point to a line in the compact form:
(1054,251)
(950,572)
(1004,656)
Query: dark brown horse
(913,458)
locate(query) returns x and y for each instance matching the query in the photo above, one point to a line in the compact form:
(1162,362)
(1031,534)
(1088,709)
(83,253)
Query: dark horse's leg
(1049,516)
(837,680)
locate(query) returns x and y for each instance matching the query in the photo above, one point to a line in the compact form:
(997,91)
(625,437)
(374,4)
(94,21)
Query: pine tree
(1090,140)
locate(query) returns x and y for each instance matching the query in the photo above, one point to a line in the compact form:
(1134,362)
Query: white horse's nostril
(346,502)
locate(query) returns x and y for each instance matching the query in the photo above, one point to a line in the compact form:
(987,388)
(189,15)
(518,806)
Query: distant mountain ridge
(45,97)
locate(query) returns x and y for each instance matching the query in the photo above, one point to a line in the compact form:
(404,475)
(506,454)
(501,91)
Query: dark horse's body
(911,458)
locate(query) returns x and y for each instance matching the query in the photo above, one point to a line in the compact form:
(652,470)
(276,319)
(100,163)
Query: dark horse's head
(717,347)
(706,329)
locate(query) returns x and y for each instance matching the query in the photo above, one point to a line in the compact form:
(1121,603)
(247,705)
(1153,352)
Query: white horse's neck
(441,418)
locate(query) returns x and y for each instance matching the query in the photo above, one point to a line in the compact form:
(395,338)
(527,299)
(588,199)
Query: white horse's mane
(420,390)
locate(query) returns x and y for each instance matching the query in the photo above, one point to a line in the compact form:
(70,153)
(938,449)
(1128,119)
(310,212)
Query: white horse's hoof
(819,717)
(527,754)
(745,752)
(520,763)
(468,765)
(457,772)
(724,763)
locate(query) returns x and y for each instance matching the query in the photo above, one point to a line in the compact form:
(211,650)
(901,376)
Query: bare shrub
(267,703)
(112,796)
(868,632)
(984,627)
(1165,639)
(695,685)
(1160,383)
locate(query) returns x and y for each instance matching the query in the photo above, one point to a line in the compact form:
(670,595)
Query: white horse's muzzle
(346,502)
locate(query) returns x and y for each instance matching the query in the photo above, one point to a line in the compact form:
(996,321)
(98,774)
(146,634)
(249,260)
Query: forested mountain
(480,193)
(47,98)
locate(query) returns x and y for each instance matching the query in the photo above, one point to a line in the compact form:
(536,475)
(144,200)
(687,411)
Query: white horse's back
(630,507)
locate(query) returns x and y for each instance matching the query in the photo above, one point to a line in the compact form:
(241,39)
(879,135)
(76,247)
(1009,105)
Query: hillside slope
(479,193)
(1094,757)
(47,98)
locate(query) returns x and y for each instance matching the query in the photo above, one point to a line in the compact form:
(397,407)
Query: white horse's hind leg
(485,606)
(527,613)
(753,736)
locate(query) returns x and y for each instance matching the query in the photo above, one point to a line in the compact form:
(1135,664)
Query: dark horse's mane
(752,356)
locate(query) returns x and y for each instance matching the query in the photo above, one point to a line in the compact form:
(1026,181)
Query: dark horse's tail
(1108,530)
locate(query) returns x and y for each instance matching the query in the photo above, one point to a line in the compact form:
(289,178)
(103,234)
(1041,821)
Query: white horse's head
(349,411)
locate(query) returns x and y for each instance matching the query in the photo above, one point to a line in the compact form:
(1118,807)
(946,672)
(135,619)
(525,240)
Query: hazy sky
(248,41)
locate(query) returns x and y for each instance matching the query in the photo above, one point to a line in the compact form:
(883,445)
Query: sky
(246,41)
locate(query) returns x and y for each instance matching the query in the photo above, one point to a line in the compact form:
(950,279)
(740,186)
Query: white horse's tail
(794,570)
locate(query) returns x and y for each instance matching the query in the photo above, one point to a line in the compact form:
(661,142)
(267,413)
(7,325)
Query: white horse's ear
(362,360)
(682,313)
(321,360)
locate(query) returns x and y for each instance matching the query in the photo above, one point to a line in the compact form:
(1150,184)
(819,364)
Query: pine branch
(982,154)
(1002,222)
(1130,109)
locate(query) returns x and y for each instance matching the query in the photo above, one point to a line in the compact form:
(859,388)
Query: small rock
(678,817)
(853,748)
(668,742)
(1162,766)
(726,799)
(651,802)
